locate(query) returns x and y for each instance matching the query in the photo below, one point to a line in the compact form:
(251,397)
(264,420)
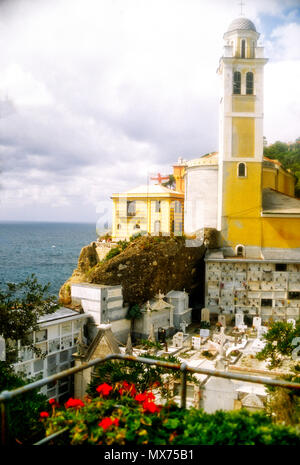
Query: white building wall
(201,198)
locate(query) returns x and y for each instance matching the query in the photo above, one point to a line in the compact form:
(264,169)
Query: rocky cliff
(145,266)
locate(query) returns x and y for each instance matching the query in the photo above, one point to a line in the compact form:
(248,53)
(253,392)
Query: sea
(50,251)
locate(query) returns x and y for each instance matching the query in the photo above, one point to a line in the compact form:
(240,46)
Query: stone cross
(222,339)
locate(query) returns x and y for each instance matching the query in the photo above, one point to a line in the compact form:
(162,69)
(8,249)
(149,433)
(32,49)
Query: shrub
(112,253)
(23,424)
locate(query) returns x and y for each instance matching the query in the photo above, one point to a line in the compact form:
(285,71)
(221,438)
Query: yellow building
(256,269)
(152,209)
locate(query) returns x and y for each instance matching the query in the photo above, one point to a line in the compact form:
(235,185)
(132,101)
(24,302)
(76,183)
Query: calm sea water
(49,250)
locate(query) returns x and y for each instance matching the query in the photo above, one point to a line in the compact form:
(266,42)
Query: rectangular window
(266,302)
(131,208)
(280,267)
(41,335)
(177,206)
(236,82)
(157,206)
(294,296)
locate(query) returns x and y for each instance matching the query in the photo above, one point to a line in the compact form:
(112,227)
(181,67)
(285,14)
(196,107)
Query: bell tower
(240,134)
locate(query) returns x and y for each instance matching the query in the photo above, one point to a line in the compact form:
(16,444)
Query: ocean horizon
(47,249)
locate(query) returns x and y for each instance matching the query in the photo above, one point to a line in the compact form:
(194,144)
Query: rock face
(147,265)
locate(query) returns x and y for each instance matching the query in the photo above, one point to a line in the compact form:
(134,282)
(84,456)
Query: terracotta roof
(274,202)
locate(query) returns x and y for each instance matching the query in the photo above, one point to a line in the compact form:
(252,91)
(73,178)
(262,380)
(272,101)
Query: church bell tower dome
(241,24)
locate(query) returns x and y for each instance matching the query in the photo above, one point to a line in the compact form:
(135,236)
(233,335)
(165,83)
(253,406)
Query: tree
(289,156)
(279,342)
(134,313)
(283,405)
(21,306)
(171,183)
(23,425)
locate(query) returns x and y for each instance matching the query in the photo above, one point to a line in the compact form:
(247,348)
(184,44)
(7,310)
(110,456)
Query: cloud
(96,94)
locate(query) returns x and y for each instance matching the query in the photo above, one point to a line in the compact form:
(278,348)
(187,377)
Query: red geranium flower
(77,403)
(53,403)
(141,397)
(150,407)
(104,389)
(127,388)
(44,414)
(150,396)
(108,422)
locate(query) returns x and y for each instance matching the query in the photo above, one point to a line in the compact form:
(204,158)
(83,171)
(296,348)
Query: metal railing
(6,396)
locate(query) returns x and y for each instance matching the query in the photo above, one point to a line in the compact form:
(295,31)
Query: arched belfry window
(243,48)
(242,170)
(249,83)
(236,82)
(240,250)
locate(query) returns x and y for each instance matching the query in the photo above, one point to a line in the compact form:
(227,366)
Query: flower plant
(120,415)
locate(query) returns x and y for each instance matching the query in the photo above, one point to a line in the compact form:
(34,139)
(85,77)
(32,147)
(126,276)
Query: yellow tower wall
(243,137)
(242,204)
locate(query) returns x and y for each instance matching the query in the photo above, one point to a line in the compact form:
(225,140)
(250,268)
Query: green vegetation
(171,183)
(289,157)
(23,424)
(119,415)
(21,306)
(283,405)
(279,342)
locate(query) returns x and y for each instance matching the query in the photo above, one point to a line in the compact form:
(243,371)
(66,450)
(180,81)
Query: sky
(97,94)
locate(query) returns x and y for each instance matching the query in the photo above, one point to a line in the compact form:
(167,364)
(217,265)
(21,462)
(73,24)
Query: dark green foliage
(279,342)
(21,306)
(171,183)
(205,325)
(233,428)
(134,313)
(289,157)
(23,423)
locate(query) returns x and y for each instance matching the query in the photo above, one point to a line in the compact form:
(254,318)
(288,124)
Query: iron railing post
(4,425)
(183,369)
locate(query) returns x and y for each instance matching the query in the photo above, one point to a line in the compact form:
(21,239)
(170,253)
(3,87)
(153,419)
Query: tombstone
(2,349)
(178,339)
(256,322)
(239,319)
(205,315)
(204,332)
(222,320)
(183,325)
(196,342)
(252,402)
(151,337)
(261,330)
(291,320)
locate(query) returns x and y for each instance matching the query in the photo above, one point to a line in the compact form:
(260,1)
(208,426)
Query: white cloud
(105,92)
